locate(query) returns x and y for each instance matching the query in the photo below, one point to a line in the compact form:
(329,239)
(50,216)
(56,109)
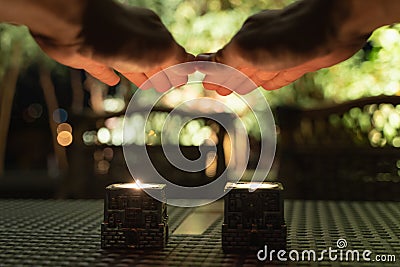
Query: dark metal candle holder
(132,218)
(253,219)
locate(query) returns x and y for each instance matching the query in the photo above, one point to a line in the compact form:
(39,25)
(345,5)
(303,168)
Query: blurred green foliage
(203,26)
(373,71)
(10,36)
(377,125)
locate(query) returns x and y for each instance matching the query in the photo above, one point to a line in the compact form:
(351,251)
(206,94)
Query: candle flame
(137,185)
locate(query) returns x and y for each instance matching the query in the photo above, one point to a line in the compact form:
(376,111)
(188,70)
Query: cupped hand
(130,40)
(276,47)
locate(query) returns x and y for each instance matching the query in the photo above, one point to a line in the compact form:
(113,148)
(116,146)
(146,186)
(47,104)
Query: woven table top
(67,233)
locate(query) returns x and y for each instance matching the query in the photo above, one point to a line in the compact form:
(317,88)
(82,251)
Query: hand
(130,40)
(275,48)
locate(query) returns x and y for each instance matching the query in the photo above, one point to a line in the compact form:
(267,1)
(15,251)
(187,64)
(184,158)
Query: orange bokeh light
(64,127)
(64,138)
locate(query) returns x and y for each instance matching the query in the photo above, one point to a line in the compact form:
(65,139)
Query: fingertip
(139,79)
(246,87)
(180,70)
(248,71)
(104,74)
(178,81)
(210,86)
(265,76)
(159,79)
(218,88)
(282,79)
(224,91)
(112,81)
(268,86)
(145,86)
(162,86)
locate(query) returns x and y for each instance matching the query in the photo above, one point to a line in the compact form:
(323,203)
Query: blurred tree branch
(52,105)
(7,91)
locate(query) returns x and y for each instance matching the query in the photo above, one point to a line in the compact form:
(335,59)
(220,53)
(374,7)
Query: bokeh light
(108,153)
(35,110)
(64,127)
(114,105)
(64,138)
(103,166)
(211,164)
(98,155)
(60,115)
(103,135)
(378,125)
(89,138)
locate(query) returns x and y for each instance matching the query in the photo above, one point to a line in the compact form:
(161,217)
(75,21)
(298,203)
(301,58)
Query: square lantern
(132,218)
(253,219)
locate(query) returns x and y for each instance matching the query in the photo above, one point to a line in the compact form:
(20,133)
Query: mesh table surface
(67,233)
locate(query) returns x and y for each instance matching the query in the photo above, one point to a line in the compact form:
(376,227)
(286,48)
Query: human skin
(276,47)
(101,37)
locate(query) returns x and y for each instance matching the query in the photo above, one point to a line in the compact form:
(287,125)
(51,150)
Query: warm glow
(114,105)
(211,164)
(108,153)
(64,127)
(98,155)
(104,135)
(252,185)
(227,145)
(137,185)
(113,123)
(103,166)
(64,138)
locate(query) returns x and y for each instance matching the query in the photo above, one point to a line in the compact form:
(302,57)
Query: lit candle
(253,218)
(131,215)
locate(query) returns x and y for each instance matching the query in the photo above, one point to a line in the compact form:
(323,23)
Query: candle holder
(253,219)
(132,218)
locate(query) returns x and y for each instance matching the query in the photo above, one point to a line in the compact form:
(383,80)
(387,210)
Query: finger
(248,71)
(212,83)
(265,75)
(245,86)
(176,79)
(292,75)
(206,64)
(218,88)
(159,80)
(273,85)
(241,81)
(223,79)
(178,74)
(257,80)
(217,83)
(224,91)
(237,81)
(217,78)
(139,79)
(282,79)
(103,73)
(210,86)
